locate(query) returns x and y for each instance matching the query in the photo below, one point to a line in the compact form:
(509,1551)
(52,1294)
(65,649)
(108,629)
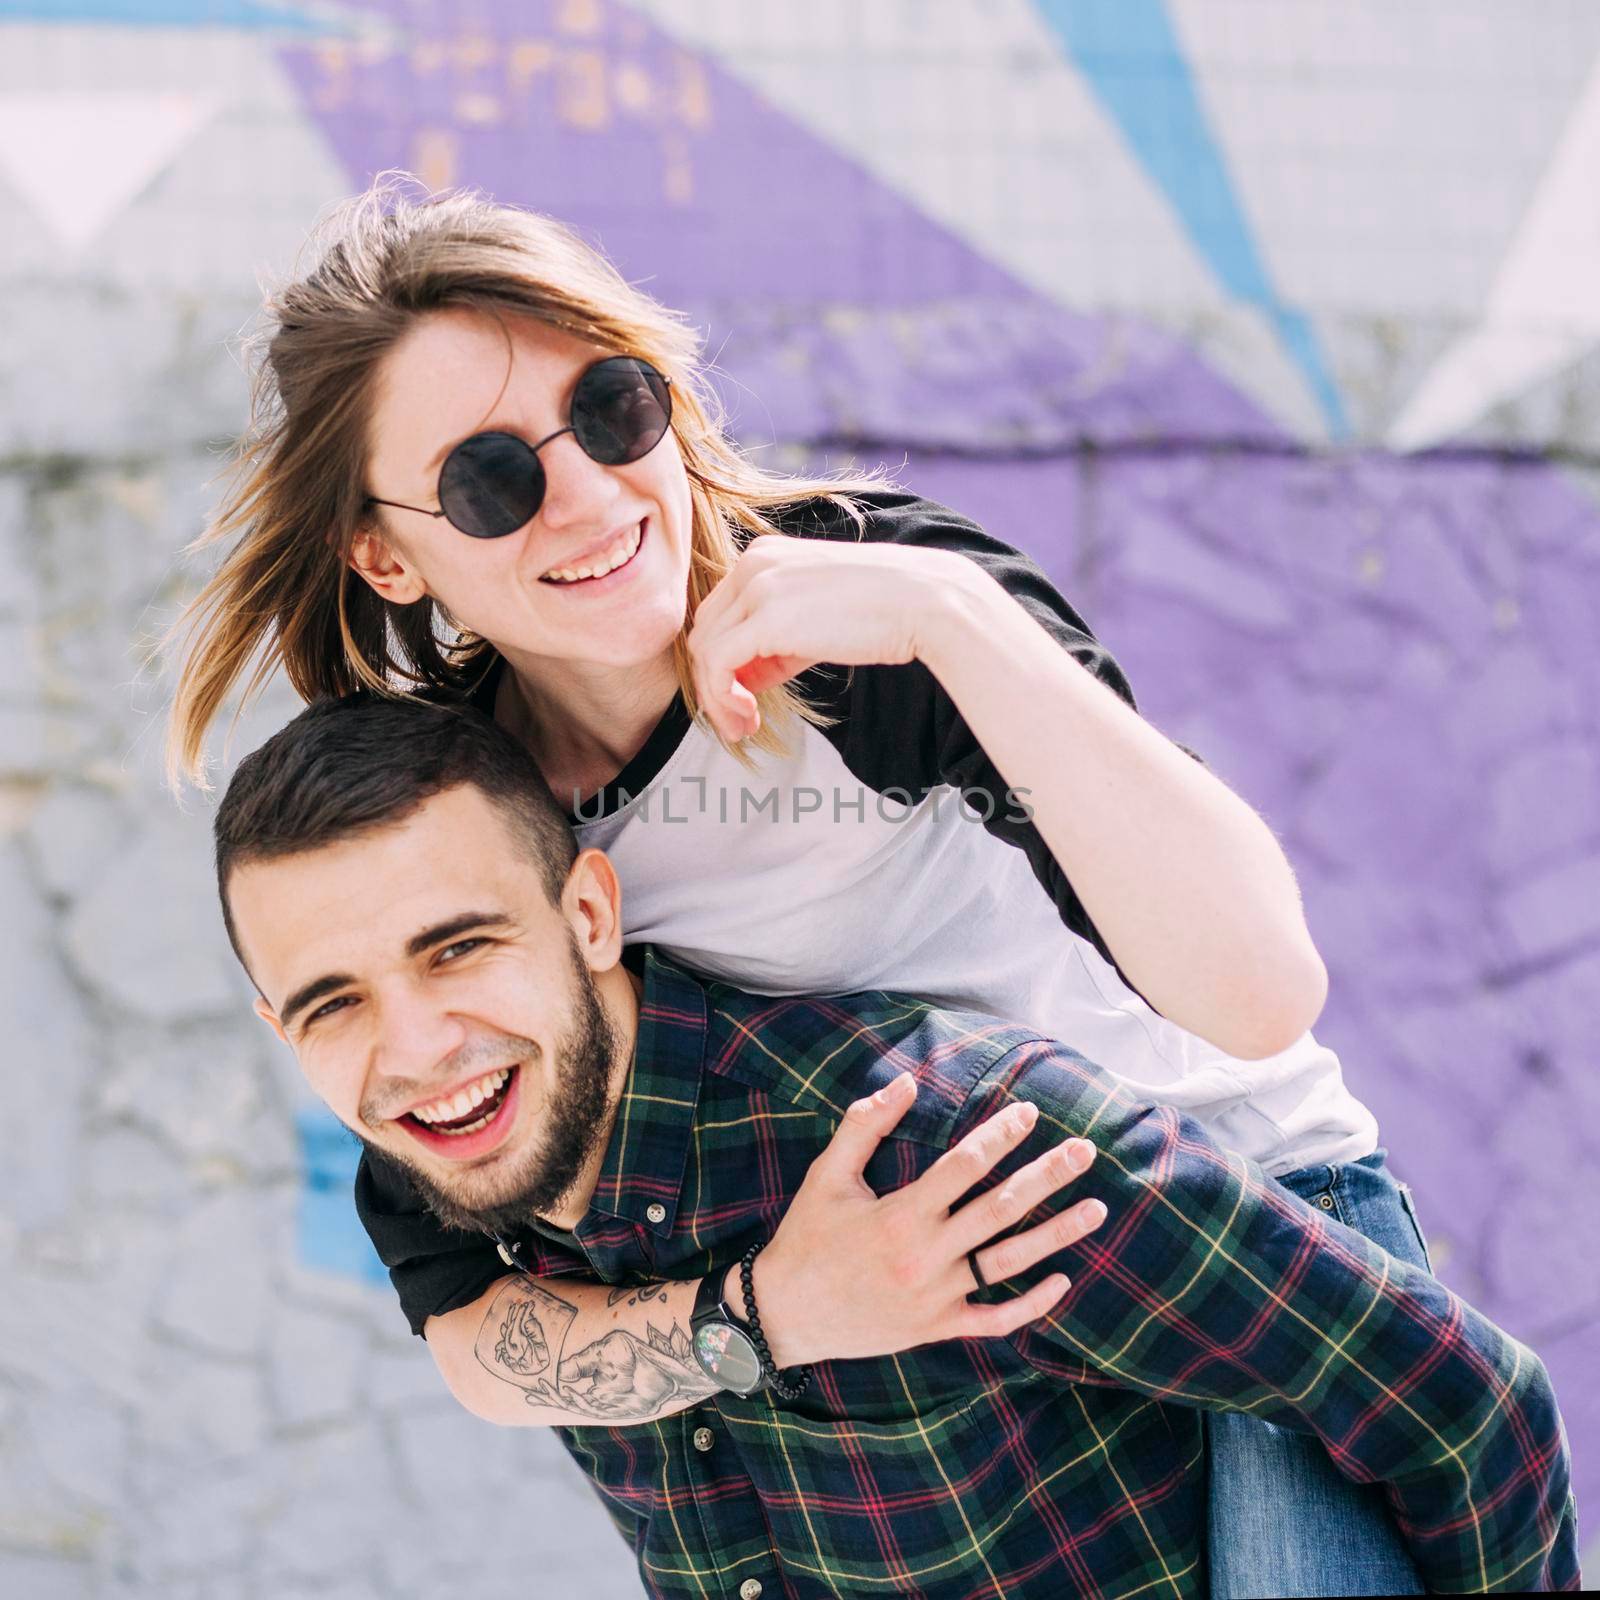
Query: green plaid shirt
(1069,1458)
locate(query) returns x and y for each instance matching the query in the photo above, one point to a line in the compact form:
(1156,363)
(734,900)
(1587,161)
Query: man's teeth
(471,1127)
(464,1100)
(607,561)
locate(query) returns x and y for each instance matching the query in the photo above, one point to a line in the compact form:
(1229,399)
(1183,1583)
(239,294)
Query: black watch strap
(708,1298)
(721,1343)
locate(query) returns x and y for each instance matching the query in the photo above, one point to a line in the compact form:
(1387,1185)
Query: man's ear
(270,1017)
(592,904)
(375,559)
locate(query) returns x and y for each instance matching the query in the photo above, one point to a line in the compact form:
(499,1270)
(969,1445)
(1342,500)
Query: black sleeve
(900,731)
(434,1269)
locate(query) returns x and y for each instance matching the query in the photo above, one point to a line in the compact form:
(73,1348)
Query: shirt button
(704,1438)
(656,1212)
(1325,1201)
(750,1589)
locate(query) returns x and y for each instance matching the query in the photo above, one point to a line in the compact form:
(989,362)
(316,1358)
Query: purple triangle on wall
(720,204)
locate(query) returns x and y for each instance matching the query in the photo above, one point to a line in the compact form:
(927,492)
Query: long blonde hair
(284,596)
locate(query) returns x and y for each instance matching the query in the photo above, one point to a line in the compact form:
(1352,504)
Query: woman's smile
(604,570)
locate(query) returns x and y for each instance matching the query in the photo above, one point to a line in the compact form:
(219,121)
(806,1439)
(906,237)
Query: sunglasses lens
(491,485)
(620,410)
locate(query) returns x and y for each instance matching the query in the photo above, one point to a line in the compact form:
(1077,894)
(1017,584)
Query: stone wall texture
(1268,326)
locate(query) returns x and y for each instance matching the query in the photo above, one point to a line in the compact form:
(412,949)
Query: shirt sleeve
(1208,1285)
(900,733)
(434,1269)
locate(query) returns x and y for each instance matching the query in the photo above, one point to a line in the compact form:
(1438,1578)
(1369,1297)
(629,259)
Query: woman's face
(446,380)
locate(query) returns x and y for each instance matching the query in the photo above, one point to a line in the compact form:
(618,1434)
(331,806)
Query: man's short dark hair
(346,766)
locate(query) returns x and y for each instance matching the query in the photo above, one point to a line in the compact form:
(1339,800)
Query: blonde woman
(832,736)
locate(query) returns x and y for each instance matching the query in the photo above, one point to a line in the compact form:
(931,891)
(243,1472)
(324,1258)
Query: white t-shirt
(853,865)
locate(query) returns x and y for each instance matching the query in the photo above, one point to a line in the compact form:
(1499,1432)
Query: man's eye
(460,947)
(327,1010)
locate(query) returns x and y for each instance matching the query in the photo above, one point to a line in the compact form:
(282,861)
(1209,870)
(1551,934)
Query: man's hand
(851,1274)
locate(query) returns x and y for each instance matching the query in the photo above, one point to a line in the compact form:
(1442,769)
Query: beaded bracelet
(783,1390)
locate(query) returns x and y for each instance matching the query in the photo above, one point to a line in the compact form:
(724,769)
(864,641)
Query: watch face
(728,1356)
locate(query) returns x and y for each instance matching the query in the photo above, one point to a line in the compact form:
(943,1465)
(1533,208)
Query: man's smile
(472,1121)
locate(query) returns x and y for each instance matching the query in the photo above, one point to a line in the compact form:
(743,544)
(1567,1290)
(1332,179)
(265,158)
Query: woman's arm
(1145,851)
(1185,882)
(847,1274)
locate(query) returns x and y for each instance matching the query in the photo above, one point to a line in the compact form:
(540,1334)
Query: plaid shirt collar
(641,1178)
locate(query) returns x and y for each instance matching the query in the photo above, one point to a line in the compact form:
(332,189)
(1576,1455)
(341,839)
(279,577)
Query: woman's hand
(791,603)
(851,1274)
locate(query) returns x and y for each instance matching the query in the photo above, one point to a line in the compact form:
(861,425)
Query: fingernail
(1030,1112)
(1094,1212)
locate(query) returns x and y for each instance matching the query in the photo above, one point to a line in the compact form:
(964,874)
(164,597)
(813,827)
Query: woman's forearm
(1185,883)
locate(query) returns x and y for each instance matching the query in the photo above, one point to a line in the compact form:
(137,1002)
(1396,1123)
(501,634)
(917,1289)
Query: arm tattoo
(637,1294)
(616,1378)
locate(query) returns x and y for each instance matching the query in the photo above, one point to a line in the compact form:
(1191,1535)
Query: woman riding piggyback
(832,736)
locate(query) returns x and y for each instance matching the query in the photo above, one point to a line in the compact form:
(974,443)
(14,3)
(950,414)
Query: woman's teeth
(487,1087)
(607,561)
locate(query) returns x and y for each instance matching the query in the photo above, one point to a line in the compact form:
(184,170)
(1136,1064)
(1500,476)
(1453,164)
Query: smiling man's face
(453,1017)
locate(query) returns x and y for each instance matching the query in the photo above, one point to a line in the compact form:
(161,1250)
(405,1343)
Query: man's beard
(572,1123)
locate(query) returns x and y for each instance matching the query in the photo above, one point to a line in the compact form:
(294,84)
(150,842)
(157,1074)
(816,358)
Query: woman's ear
(385,569)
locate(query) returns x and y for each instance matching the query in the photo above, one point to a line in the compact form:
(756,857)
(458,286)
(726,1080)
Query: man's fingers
(866,1123)
(1005,1205)
(997,1321)
(997,1262)
(974,1157)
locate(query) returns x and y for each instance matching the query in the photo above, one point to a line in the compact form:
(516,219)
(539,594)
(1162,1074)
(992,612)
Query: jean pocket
(1408,1200)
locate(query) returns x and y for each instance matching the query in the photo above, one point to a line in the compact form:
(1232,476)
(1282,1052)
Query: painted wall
(1269,326)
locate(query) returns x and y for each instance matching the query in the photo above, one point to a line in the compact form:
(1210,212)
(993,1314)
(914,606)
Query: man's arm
(1212,1286)
(560,1352)
(847,1273)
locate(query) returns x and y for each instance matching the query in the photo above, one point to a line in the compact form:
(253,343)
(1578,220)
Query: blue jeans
(1283,1520)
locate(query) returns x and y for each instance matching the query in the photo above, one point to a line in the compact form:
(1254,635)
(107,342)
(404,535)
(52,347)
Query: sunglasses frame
(534,449)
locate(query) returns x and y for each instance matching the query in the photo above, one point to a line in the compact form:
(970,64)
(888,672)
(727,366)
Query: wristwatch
(722,1345)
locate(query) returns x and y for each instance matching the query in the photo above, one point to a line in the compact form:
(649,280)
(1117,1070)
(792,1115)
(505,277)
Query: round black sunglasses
(493,483)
